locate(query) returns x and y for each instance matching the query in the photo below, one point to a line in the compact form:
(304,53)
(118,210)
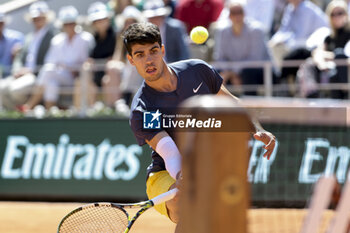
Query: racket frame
(144,205)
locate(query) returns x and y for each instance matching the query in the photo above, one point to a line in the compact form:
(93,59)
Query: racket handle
(165,196)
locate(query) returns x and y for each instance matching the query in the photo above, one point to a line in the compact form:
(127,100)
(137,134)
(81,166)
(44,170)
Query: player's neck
(167,82)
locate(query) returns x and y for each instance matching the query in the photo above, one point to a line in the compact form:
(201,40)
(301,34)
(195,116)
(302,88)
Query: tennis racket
(107,217)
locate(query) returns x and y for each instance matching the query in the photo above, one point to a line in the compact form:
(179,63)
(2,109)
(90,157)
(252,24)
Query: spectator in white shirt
(68,51)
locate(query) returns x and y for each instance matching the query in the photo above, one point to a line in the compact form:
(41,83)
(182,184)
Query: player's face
(148,60)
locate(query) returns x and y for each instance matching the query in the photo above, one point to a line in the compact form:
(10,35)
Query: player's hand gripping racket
(107,217)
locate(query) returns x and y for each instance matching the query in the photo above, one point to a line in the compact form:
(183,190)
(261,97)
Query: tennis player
(166,86)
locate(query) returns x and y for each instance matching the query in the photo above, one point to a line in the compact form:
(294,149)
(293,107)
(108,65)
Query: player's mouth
(151,70)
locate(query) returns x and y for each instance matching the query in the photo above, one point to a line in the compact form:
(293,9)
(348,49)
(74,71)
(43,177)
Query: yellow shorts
(158,183)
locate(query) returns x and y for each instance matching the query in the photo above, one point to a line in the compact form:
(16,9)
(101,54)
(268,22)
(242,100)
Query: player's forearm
(257,125)
(223,91)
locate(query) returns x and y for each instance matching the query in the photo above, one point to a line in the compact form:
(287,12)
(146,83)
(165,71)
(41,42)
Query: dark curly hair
(141,33)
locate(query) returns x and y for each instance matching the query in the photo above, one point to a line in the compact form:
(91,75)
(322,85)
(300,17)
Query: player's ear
(162,49)
(131,60)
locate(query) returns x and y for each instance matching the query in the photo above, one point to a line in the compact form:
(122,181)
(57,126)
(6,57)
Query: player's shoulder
(189,64)
(138,102)
(190,67)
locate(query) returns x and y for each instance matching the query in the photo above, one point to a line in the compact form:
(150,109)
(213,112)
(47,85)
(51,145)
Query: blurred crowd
(82,52)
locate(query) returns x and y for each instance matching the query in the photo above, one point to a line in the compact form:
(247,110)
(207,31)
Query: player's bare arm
(261,134)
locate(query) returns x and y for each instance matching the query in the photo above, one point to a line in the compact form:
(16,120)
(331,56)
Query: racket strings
(101,219)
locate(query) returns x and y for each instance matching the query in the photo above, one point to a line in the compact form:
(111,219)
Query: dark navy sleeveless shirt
(194,77)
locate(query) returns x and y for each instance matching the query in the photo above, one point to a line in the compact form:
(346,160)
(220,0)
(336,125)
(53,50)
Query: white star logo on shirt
(156,115)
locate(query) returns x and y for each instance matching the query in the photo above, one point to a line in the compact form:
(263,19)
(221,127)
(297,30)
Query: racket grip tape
(165,196)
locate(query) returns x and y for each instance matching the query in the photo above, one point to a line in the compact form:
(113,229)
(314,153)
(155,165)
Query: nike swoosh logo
(196,90)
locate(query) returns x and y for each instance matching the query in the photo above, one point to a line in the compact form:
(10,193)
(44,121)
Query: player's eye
(139,55)
(154,51)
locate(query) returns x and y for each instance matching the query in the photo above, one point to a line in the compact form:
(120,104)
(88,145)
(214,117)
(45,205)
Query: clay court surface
(33,217)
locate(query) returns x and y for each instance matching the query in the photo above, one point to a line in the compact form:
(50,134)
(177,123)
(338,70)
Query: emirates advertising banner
(73,158)
(303,154)
(99,159)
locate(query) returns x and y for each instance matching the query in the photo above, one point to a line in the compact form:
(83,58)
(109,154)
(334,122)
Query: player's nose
(149,58)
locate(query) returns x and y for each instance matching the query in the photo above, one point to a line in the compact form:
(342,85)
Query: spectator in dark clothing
(105,39)
(332,48)
(105,42)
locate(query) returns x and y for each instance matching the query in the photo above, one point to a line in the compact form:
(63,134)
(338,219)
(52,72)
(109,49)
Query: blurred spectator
(242,40)
(261,11)
(118,6)
(278,13)
(68,50)
(198,12)
(105,41)
(173,32)
(300,19)
(331,48)
(15,89)
(10,43)
(172,5)
(119,70)
(321,3)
